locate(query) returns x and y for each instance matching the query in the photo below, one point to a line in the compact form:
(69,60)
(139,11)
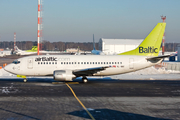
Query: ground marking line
(80,102)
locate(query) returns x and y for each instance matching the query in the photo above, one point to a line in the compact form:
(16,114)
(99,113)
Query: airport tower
(14,40)
(163,43)
(39,32)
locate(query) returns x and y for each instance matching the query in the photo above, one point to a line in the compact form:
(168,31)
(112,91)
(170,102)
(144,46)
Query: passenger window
(78,62)
(61,62)
(115,62)
(81,62)
(109,62)
(52,62)
(84,62)
(44,62)
(72,62)
(112,62)
(95,62)
(69,62)
(38,62)
(104,62)
(49,62)
(98,62)
(55,62)
(87,62)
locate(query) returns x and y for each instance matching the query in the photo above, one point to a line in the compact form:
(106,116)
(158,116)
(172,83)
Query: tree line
(62,46)
(46,45)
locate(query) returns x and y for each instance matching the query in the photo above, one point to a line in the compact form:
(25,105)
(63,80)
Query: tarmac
(104,99)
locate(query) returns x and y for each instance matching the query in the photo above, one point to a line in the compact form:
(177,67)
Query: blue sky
(78,20)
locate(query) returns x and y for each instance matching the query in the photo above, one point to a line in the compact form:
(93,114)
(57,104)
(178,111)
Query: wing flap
(88,71)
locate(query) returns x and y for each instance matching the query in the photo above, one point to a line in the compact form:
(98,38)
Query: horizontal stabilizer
(158,57)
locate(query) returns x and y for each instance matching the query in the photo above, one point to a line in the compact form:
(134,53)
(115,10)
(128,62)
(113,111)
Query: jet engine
(63,75)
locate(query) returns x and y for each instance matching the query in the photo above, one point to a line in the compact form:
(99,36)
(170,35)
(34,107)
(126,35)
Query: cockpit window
(16,62)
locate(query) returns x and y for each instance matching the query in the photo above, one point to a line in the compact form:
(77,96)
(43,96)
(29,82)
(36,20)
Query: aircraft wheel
(25,80)
(84,80)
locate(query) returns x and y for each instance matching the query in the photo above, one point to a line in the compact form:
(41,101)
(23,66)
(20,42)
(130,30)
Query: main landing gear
(84,79)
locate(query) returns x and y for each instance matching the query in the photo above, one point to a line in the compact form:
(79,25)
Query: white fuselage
(45,65)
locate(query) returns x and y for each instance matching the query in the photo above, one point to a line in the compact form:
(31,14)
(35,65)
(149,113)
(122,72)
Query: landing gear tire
(25,80)
(84,80)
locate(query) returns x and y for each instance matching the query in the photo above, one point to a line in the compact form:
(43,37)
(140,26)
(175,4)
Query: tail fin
(34,48)
(17,49)
(150,46)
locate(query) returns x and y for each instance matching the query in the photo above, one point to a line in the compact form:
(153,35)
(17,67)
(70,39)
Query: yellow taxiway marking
(64,82)
(80,102)
(73,82)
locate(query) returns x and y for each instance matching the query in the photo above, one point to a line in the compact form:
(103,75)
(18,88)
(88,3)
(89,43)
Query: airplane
(94,51)
(68,67)
(32,51)
(25,52)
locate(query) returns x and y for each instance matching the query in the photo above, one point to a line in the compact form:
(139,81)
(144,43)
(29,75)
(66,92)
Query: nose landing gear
(25,79)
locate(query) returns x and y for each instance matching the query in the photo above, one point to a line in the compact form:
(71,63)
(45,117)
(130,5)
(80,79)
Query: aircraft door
(131,63)
(30,63)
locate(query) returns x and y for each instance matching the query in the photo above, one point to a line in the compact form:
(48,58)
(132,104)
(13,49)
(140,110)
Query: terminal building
(116,46)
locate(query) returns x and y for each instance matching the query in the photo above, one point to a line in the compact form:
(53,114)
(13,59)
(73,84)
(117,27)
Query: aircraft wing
(158,57)
(89,71)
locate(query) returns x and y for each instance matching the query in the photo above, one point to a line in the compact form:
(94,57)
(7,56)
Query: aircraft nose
(8,68)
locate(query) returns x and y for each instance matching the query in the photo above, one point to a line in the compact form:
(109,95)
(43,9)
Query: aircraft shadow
(108,114)
(50,79)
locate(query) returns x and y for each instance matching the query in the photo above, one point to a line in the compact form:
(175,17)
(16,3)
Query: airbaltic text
(148,50)
(46,59)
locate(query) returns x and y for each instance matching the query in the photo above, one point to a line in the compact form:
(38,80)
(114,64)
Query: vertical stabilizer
(150,46)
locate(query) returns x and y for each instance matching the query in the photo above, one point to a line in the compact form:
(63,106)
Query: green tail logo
(150,46)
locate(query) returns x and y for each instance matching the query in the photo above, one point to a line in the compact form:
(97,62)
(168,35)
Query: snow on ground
(5,74)
(150,73)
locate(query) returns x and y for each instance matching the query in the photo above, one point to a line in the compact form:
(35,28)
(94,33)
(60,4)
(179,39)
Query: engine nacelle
(63,75)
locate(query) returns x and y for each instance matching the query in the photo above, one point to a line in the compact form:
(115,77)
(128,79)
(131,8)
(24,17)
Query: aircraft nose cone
(8,68)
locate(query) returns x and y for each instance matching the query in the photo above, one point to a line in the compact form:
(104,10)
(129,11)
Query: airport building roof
(121,41)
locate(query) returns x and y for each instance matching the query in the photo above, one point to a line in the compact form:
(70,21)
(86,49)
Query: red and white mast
(14,40)
(163,43)
(39,33)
